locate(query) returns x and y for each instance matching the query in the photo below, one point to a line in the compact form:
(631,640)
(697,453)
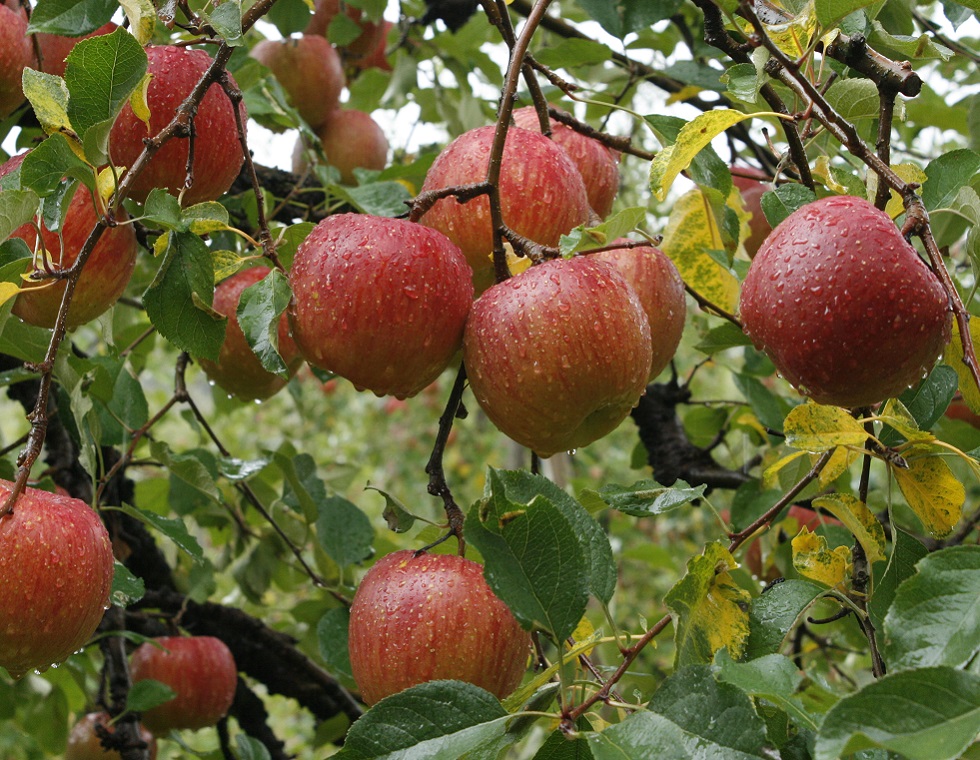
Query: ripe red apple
(558,355)
(418,618)
(598,165)
(199,669)
(238,370)
(660,289)
(84,743)
(55,48)
(351,140)
(106,272)
(749,184)
(16,53)
(364,44)
(309,70)
(542,195)
(843,305)
(217,153)
(377,59)
(56,564)
(381,302)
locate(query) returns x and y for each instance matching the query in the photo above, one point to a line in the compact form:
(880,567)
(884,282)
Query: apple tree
(489,379)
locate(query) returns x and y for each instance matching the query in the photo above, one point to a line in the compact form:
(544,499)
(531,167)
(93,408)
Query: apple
(843,305)
(16,53)
(747,180)
(558,355)
(598,164)
(351,139)
(55,48)
(106,272)
(84,743)
(364,44)
(199,669)
(217,152)
(56,564)
(660,289)
(381,302)
(542,195)
(425,617)
(238,370)
(377,58)
(309,70)
(958,409)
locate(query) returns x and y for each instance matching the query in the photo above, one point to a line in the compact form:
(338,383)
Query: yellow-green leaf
(933,492)
(142,18)
(691,232)
(792,37)
(693,137)
(909,173)
(48,95)
(161,243)
(954,358)
(858,519)
(816,427)
(226,263)
(897,416)
(7,291)
(840,461)
(106,181)
(138,101)
(769,475)
(814,559)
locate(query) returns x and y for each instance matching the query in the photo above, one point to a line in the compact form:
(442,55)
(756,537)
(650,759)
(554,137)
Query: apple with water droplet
(16,53)
(843,305)
(425,617)
(351,139)
(379,301)
(56,565)
(84,743)
(559,354)
(199,669)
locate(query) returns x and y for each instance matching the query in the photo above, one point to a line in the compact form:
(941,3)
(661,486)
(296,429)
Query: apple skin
(55,48)
(106,273)
(542,195)
(381,302)
(56,564)
(377,59)
(429,617)
(747,180)
(351,140)
(309,70)
(598,165)
(238,370)
(202,672)
(843,305)
(217,152)
(84,743)
(16,53)
(660,289)
(364,44)
(558,355)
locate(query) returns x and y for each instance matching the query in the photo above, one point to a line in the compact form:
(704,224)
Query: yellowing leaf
(813,558)
(954,358)
(769,476)
(7,291)
(840,461)
(142,18)
(161,243)
(908,172)
(933,492)
(226,263)
(816,427)
(897,416)
(822,173)
(858,519)
(691,232)
(750,420)
(584,631)
(48,95)
(692,138)
(138,102)
(106,182)
(685,92)
(792,37)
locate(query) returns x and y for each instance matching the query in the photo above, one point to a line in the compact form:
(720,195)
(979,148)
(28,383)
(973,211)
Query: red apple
(418,618)
(364,44)
(958,409)
(377,58)
(309,70)
(16,53)
(558,355)
(660,289)
(217,152)
(104,277)
(542,195)
(199,669)
(56,564)
(55,48)
(747,180)
(351,139)
(381,302)
(598,165)
(84,743)
(843,305)
(238,370)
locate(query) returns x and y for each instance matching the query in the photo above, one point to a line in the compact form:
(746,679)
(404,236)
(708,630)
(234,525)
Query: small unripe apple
(558,355)
(598,165)
(660,289)
(326,10)
(309,70)
(542,195)
(199,669)
(426,617)
(750,184)
(56,565)
(381,302)
(106,273)
(16,53)
(55,48)
(843,305)
(351,140)
(217,152)
(84,743)
(238,370)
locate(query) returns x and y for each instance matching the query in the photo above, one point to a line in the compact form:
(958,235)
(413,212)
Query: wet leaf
(933,492)
(816,427)
(858,519)
(814,559)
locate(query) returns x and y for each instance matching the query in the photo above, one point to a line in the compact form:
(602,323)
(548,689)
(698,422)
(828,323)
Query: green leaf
(647,497)
(926,714)
(773,677)
(17,207)
(248,747)
(935,616)
(50,162)
(396,514)
(573,52)
(784,200)
(126,587)
(71,17)
(926,403)
(774,613)
(188,469)
(376,198)
(227,21)
(331,635)
(606,13)
(163,209)
(946,175)
(259,311)
(906,551)
(344,531)
(173,528)
(829,12)
(184,280)
(583,238)
(721,338)
(148,693)
(854,98)
(439,720)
